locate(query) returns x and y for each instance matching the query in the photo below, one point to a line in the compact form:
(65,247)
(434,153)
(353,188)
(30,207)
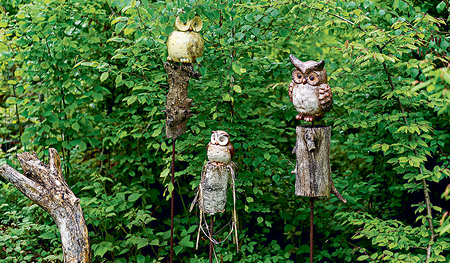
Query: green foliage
(86,78)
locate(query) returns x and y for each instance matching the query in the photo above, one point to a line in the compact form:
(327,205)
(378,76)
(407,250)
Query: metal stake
(171,200)
(311,231)
(211,233)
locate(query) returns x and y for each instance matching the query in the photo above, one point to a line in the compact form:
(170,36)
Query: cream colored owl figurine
(185,44)
(309,91)
(220,150)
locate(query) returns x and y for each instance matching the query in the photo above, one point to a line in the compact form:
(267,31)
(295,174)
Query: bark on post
(313,170)
(45,185)
(178,105)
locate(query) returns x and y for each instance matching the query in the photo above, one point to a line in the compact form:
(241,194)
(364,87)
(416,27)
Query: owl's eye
(313,78)
(299,76)
(223,140)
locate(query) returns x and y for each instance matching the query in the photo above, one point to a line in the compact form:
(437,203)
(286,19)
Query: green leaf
(25,137)
(363,257)
(45,65)
(236,68)
(237,88)
(440,7)
(82,146)
(134,197)
(97,96)
(140,259)
(185,241)
(104,76)
(47,235)
(170,187)
(131,100)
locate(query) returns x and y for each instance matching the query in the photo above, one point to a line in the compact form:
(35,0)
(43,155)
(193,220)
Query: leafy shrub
(98,68)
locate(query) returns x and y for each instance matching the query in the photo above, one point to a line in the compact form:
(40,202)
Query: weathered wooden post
(44,184)
(312,98)
(184,46)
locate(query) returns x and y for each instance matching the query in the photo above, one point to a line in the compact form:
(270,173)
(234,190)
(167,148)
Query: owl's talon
(299,117)
(169,58)
(308,118)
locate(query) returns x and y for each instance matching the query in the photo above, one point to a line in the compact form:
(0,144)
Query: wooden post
(44,184)
(178,105)
(313,170)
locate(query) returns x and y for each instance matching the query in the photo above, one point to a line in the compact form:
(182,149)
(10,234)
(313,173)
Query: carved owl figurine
(309,91)
(220,150)
(185,44)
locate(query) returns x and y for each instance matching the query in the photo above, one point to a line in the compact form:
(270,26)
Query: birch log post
(313,170)
(178,105)
(45,185)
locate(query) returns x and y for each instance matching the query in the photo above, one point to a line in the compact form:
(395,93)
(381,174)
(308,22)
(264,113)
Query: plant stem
(424,183)
(186,210)
(17,112)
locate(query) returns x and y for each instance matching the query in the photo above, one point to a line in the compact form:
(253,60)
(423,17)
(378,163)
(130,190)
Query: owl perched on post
(220,150)
(185,44)
(309,91)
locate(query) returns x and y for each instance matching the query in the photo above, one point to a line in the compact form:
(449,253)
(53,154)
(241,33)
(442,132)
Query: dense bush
(86,78)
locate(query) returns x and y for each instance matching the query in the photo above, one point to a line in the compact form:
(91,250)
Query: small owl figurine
(217,173)
(309,91)
(185,44)
(220,150)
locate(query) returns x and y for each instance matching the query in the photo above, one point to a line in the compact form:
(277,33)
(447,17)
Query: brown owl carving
(309,91)
(220,150)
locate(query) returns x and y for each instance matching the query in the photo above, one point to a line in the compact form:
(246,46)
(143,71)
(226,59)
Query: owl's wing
(325,97)
(207,146)
(291,87)
(231,149)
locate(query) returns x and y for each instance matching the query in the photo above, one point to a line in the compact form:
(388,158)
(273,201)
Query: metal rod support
(171,200)
(210,240)
(311,232)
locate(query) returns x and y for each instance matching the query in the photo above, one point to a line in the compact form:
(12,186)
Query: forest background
(86,78)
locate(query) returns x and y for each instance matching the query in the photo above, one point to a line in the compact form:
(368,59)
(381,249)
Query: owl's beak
(304,80)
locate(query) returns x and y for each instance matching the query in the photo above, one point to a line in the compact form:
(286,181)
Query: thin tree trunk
(44,184)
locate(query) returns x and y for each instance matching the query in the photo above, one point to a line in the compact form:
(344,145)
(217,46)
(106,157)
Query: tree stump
(178,105)
(45,185)
(313,170)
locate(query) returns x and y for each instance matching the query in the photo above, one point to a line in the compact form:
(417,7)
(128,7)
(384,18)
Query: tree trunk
(45,185)
(178,105)
(313,170)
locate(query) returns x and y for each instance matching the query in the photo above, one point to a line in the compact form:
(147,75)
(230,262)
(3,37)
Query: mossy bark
(45,185)
(178,105)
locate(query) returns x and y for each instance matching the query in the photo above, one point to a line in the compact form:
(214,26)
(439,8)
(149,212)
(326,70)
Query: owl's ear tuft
(295,61)
(320,65)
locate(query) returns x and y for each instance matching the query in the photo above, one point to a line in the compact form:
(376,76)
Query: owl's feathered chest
(306,99)
(218,153)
